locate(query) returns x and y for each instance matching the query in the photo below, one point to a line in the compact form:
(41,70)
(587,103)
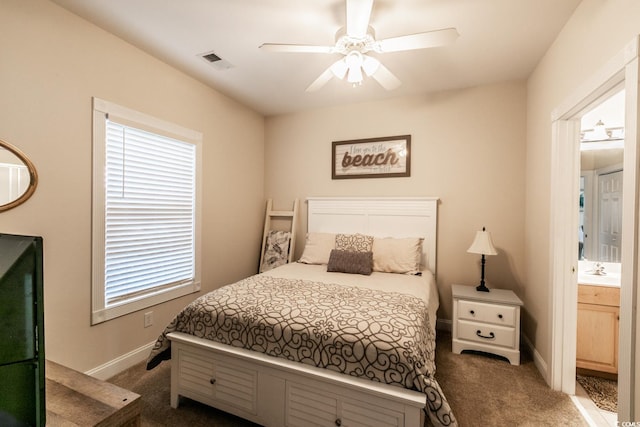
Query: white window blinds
(150,212)
(146,205)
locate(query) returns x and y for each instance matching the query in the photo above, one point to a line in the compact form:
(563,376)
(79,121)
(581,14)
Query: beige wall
(52,63)
(467,149)
(596,32)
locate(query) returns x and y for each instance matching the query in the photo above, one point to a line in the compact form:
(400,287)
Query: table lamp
(482,245)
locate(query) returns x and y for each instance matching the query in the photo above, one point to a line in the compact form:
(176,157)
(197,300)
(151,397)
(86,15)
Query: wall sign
(372,158)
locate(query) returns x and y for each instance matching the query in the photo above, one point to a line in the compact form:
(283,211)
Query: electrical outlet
(148,319)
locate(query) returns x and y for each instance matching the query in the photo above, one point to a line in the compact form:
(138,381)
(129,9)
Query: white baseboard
(119,364)
(537,358)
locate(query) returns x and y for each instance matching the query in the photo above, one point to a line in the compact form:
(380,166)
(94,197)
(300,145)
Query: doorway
(599,257)
(620,72)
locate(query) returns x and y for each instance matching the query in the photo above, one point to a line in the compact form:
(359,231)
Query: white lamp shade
(482,244)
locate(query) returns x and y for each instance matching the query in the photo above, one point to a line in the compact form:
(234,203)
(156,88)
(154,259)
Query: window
(146,211)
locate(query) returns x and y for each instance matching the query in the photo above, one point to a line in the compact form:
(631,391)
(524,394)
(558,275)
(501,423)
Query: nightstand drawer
(482,312)
(485,333)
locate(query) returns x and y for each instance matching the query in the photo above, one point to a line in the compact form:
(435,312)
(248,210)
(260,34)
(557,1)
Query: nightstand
(486,321)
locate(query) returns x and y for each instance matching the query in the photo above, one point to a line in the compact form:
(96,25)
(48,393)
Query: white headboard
(379,217)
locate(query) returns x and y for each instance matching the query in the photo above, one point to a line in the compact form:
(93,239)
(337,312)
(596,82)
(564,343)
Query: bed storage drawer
(285,393)
(306,406)
(218,378)
(490,313)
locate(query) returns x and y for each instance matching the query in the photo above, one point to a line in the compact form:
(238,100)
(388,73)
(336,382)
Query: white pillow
(392,255)
(317,248)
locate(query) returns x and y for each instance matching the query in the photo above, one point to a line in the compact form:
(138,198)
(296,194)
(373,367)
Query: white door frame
(621,72)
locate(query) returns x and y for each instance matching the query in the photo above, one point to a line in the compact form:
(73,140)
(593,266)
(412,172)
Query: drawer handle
(212,380)
(338,422)
(499,316)
(490,337)
(472,312)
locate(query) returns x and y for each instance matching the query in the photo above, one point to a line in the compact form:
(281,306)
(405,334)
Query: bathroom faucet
(598,269)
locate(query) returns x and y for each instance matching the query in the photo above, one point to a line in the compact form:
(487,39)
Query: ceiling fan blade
(419,41)
(358,14)
(295,48)
(320,81)
(386,78)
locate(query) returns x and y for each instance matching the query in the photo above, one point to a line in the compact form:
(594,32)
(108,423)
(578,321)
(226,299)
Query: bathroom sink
(611,279)
(598,274)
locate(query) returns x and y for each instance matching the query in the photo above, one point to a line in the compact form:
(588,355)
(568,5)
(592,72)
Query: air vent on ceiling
(217,62)
(211,57)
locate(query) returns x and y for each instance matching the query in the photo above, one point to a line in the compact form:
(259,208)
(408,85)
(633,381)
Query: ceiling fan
(355,40)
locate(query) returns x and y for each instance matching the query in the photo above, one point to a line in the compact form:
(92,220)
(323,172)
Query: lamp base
(482,288)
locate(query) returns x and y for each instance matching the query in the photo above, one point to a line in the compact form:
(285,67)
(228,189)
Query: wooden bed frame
(277,392)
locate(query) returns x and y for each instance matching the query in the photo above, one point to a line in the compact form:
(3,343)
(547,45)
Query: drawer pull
(472,312)
(212,380)
(499,316)
(338,422)
(490,337)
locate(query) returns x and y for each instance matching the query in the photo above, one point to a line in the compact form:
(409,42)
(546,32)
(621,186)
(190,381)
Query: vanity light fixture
(601,137)
(482,245)
(600,132)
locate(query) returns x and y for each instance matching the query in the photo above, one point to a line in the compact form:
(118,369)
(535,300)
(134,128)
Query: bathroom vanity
(598,321)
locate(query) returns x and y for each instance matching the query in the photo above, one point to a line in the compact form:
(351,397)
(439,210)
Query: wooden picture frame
(383,157)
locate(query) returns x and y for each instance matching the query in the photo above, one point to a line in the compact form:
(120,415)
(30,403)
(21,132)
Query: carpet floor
(482,391)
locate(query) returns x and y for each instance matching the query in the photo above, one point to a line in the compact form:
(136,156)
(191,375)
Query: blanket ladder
(268,234)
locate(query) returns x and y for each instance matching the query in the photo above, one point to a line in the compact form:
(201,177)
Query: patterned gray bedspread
(382,336)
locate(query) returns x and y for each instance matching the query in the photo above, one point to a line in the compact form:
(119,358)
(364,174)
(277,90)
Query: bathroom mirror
(18,177)
(601,206)
(601,176)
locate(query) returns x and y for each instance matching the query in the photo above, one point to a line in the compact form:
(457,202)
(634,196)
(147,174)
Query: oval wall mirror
(18,177)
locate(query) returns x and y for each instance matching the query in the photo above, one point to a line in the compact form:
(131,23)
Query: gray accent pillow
(350,262)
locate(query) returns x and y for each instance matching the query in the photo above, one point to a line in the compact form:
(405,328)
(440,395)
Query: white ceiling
(500,40)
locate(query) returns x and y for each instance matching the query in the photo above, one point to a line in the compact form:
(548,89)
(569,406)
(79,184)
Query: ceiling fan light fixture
(354,60)
(339,69)
(370,65)
(355,75)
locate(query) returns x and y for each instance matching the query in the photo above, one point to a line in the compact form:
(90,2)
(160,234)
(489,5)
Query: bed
(320,342)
